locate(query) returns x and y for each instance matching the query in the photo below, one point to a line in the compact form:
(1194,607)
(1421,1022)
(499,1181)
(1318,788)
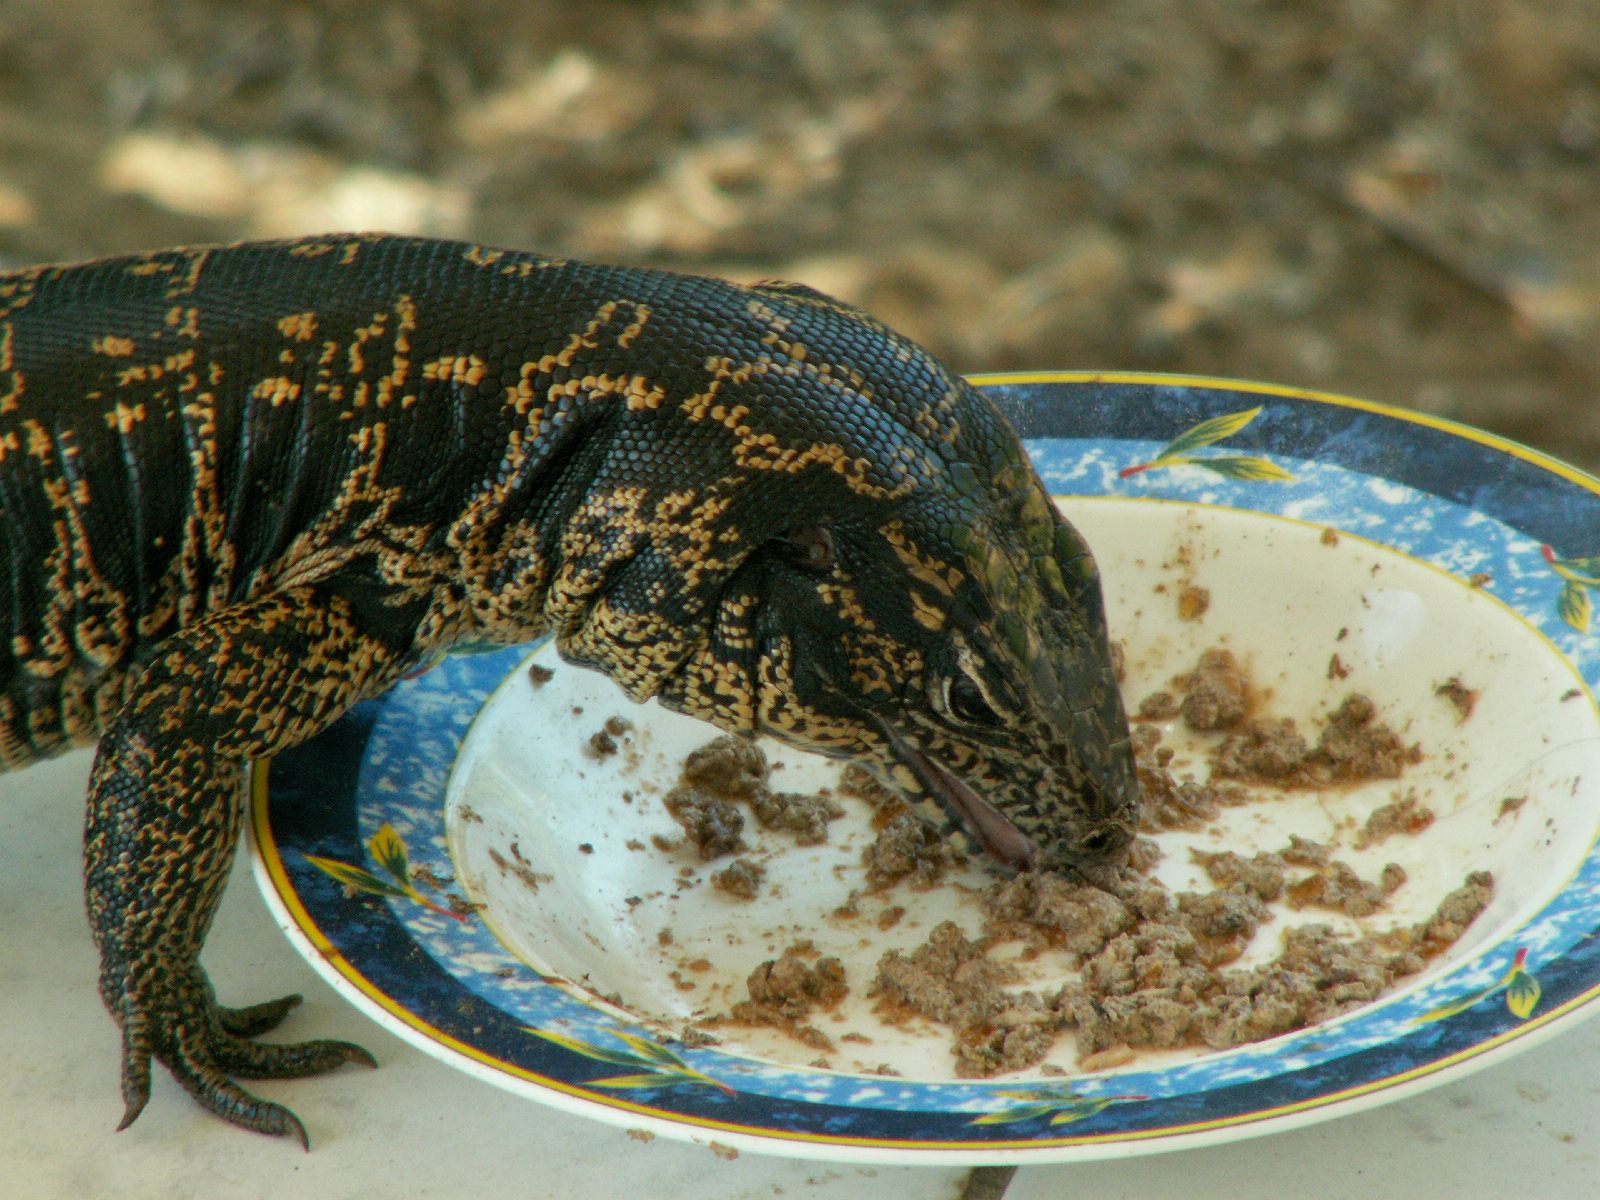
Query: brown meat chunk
(712,824)
(730,768)
(907,848)
(740,879)
(804,815)
(1216,694)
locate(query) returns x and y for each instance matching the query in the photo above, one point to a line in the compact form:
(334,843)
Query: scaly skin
(244,488)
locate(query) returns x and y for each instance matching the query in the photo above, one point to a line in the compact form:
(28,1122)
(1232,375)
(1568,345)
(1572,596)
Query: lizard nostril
(1105,842)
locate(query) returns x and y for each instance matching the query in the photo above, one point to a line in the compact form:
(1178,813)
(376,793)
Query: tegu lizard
(243,488)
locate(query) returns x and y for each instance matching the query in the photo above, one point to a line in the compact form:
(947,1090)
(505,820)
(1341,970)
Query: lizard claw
(204,1044)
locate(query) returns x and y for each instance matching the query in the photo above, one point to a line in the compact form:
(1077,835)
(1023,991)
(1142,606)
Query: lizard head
(943,625)
(966,661)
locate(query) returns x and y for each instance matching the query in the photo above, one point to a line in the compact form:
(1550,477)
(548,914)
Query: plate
(459,860)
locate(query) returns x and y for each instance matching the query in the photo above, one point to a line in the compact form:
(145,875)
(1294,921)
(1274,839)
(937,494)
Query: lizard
(245,487)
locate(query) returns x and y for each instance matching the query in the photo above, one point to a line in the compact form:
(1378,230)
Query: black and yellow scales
(243,488)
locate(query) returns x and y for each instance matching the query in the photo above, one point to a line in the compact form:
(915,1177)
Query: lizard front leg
(163,824)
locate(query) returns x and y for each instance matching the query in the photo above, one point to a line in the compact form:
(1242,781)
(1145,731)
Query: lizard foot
(204,1045)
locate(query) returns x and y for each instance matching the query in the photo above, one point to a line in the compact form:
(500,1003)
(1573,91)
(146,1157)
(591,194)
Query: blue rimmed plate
(458,859)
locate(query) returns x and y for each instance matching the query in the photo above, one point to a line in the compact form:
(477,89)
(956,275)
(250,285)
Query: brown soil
(1392,199)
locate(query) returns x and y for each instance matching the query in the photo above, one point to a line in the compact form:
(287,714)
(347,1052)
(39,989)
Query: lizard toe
(287,1060)
(257,1018)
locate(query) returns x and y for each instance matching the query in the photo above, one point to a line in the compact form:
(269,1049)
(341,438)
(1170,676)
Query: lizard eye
(967,703)
(811,548)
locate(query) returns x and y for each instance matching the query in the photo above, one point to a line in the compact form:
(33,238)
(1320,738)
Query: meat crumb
(1509,807)
(950,979)
(1402,816)
(786,990)
(730,768)
(741,879)
(1216,694)
(857,782)
(804,815)
(1458,694)
(1338,887)
(1193,602)
(908,848)
(712,824)
(1353,747)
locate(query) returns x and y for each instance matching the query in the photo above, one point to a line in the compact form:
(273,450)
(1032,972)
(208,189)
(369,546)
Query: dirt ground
(1398,199)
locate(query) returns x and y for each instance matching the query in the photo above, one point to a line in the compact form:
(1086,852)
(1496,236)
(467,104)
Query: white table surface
(1527,1127)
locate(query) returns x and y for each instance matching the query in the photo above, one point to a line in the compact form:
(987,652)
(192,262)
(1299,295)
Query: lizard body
(243,488)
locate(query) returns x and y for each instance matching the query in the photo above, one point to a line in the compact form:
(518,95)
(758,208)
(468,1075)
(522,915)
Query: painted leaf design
(359,878)
(1010,1116)
(388,849)
(1078,1112)
(1046,1095)
(1522,994)
(654,1079)
(654,1051)
(617,1058)
(1574,606)
(1207,432)
(1579,570)
(1244,467)
(1451,1009)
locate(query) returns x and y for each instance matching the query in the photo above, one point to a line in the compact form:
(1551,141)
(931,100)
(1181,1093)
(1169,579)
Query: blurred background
(1398,199)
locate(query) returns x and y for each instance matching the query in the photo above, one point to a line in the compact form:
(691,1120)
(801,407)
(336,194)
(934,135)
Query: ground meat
(794,988)
(1262,874)
(1458,694)
(1216,694)
(856,781)
(1168,803)
(1352,748)
(1193,602)
(786,990)
(950,979)
(1049,910)
(804,815)
(1017,1036)
(1303,852)
(1222,922)
(1159,975)
(601,745)
(1455,912)
(730,768)
(1158,706)
(908,848)
(721,775)
(1267,750)
(1153,966)
(1355,746)
(539,674)
(1509,807)
(1338,887)
(713,824)
(741,879)
(1143,855)
(1404,815)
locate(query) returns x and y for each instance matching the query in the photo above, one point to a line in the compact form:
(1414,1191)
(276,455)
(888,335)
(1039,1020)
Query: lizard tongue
(1003,840)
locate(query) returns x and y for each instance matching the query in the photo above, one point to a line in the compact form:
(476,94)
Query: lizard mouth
(1003,840)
